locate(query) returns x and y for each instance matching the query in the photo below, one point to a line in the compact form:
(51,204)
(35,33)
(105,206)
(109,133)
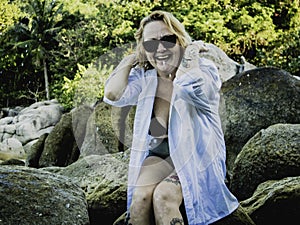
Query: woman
(178,151)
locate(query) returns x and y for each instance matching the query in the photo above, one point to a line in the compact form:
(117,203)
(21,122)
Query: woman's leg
(153,171)
(167,199)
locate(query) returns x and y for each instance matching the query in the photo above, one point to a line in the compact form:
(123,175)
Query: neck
(167,76)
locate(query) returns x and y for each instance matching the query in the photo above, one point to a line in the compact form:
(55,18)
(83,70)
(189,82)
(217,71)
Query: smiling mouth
(163,57)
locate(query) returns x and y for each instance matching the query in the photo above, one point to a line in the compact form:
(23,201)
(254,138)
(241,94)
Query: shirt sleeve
(132,90)
(200,86)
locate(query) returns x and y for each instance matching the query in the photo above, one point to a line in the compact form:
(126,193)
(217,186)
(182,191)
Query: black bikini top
(156,129)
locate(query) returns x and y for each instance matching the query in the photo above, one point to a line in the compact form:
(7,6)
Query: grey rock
(11,148)
(60,147)
(255,100)
(104,181)
(275,202)
(33,197)
(38,116)
(35,152)
(226,66)
(80,116)
(272,154)
(13,161)
(109,130)
(31,122)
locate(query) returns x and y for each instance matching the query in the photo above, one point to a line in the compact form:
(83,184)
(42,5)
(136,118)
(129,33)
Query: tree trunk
(46,79)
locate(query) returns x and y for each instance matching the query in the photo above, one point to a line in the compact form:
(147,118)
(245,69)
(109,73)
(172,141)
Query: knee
(163,197)
(142,196)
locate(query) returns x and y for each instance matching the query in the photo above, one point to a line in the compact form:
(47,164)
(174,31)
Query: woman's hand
(190,56)
(118,80)
(201,45)
(129,60)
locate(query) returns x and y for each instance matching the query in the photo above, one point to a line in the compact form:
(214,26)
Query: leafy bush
(286,55)
(87,86)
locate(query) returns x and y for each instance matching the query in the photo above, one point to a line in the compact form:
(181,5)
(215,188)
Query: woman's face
(166,57)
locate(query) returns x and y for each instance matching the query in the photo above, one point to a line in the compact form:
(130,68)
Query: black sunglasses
(168,41)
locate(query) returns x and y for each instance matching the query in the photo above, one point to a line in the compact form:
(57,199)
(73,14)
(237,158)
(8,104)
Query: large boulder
(238,217)
(36,150)
(31,122)
(35,120)
(31,197)
(99,137)
(255,100)
(80,117)
(272,154)
(275,202)
(226,66)
(104,181)
(61,146)
(109,130)
(11,148)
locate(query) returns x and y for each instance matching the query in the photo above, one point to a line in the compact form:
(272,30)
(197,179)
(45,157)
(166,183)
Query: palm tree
(39,33)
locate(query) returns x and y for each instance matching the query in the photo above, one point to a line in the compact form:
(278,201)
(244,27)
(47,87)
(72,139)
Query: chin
(168,69)
(165,71)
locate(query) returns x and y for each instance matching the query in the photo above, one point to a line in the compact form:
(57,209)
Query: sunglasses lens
(151,46)
(167,41)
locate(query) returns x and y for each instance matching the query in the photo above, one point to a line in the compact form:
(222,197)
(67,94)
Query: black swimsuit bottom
(159,147)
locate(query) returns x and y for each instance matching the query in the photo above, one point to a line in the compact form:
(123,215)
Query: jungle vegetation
(65,49)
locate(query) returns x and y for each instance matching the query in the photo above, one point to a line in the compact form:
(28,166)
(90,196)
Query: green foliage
(27,44)
(286,55)
(265,32)
(87,8)
(87,86)
(86,38)
(10,13)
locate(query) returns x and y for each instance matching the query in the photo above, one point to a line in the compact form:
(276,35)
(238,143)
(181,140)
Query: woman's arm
(197,80)
(117,82)
(190,57)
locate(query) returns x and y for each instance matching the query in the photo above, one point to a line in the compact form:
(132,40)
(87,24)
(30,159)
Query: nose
(160,47)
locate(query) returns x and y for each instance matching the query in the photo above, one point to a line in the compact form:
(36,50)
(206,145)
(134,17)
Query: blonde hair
(173,24)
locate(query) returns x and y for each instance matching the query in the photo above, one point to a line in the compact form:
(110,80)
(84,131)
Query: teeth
(162,57)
